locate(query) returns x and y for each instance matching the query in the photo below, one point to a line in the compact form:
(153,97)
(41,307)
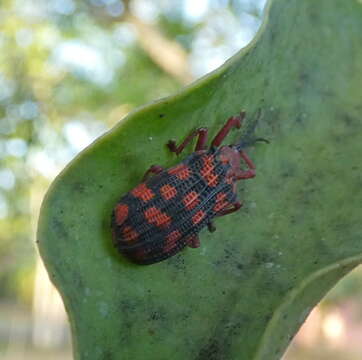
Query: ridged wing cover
(160,216)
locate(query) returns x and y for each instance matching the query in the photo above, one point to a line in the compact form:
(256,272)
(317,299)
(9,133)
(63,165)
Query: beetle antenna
(248,140)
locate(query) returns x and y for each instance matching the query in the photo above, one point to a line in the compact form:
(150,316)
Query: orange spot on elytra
(198,217)
(181,171)
(143,192)
(212,179)
(191,200)
(220,196)
(171,240)
(221,203)
(157,217)
(129,234)
(121,213)
(208,159)
(207,171)
(168,191)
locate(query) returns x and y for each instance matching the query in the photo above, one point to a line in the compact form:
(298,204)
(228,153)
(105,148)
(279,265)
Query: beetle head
(230,155)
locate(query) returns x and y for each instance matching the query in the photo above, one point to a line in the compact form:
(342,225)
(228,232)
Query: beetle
(166,211)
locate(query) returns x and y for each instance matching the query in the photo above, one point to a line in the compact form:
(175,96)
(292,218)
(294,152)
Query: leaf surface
(244,293)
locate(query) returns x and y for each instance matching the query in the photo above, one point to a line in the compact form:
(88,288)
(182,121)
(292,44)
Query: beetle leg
(154,169)
(193,241)
(211,227)
(246,174)
(236,206)
(234,121)
(247,160)
(200,145)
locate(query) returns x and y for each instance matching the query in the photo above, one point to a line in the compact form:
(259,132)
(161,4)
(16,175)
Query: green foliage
(244,293)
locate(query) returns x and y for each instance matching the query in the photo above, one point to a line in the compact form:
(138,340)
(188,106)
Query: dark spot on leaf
(127,310)
(157,315)
(261,257)
(327,93)
(60,229)
(79,187)
(304,77)
(273,35)
(77,281)
(185,315)
(300,119)
(161,115)
(314,16)
(177,262)
(211,351)
(127,306)
(349,120)
(107,355)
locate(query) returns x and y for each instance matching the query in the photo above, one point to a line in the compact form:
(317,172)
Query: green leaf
(244,293)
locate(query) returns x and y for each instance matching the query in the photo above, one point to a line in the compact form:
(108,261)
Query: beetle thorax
(230,155)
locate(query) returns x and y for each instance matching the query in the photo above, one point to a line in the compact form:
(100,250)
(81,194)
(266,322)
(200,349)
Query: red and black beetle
(165,212)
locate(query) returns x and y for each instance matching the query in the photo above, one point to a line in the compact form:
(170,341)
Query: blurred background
(69,70)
